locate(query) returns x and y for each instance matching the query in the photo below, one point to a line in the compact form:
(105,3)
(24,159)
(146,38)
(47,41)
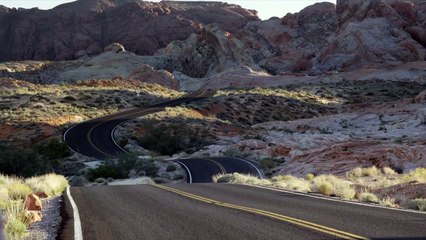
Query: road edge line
(78,233)
(257,169)
(113,139)
(332,199)
(187,170)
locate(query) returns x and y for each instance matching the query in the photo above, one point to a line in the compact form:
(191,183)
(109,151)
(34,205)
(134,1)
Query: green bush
(171,168)
(121,167)
(368,197)
(168,139)
(325,188)
(268,163)
(35,160)
(19,190)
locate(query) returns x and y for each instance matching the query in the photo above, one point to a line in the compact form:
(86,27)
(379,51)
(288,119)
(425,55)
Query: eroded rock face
(192,42)
(201,55)
(374,41)
(373,32)
(90,25)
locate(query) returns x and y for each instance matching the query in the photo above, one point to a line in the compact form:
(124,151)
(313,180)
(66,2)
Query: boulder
(115,48)
(33,216)
(41,194)
(78,181)
(32,203)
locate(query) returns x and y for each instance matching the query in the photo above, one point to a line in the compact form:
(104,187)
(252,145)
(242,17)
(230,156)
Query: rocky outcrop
(87,26)
(373,32)
(189,48)
(32,203)
(201,55)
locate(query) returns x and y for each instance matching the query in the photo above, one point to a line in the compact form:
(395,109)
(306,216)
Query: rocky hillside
(85,27)
(213,44)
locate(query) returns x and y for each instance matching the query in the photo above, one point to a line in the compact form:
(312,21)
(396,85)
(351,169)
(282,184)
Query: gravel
(48,228)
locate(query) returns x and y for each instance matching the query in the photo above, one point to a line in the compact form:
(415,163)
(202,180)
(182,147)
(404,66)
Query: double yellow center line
(295,221)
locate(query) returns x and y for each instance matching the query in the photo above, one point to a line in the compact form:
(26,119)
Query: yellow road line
(295,221)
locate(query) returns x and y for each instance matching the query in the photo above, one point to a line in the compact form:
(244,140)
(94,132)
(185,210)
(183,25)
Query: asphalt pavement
(230,212)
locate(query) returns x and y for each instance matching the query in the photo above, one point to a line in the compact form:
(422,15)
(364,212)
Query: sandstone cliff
(87,26)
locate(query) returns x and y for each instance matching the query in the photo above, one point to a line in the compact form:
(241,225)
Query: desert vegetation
(370,185)
(36,159)
(13,191)
(31,112)
(123,167)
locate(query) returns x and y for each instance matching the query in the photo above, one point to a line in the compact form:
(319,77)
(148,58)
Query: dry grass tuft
(18,190)
(356,172)
(368,197)
(388,202)
(52,184)
(370,172)
(417,175)
(389,171)
(13,192)
(309,176)
(240,178)
(291,183)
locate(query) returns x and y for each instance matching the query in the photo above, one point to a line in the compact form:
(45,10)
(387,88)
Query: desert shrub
(178,177)
(19,190)
(240,178)
(325,188)
(168,139)
(171,168)
(309,176)
(121,167)
(15,220)
(344,190)
(52,149)
(368,197)
(388,202)
(268,163)
(222,178)
(418,204)
(388,171)
(35,160)
(417,175)
(105,169)
(356,172)
(291,183)
(370,172)
(331,185)
(51,184)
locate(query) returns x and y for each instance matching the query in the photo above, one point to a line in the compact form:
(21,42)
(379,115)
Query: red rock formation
(90,25)
(32,203)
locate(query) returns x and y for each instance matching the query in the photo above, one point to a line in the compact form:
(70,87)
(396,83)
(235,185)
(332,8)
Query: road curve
(225,211)
(94,139)
(201,170)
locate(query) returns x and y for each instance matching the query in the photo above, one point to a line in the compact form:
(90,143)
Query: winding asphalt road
(225,211)
(212,211)
(94,138)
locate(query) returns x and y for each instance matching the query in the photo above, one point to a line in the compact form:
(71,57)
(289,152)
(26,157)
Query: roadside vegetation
(31,112)
(171,138)
(13,191)
(34,160)
(123,167)
(370,185)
